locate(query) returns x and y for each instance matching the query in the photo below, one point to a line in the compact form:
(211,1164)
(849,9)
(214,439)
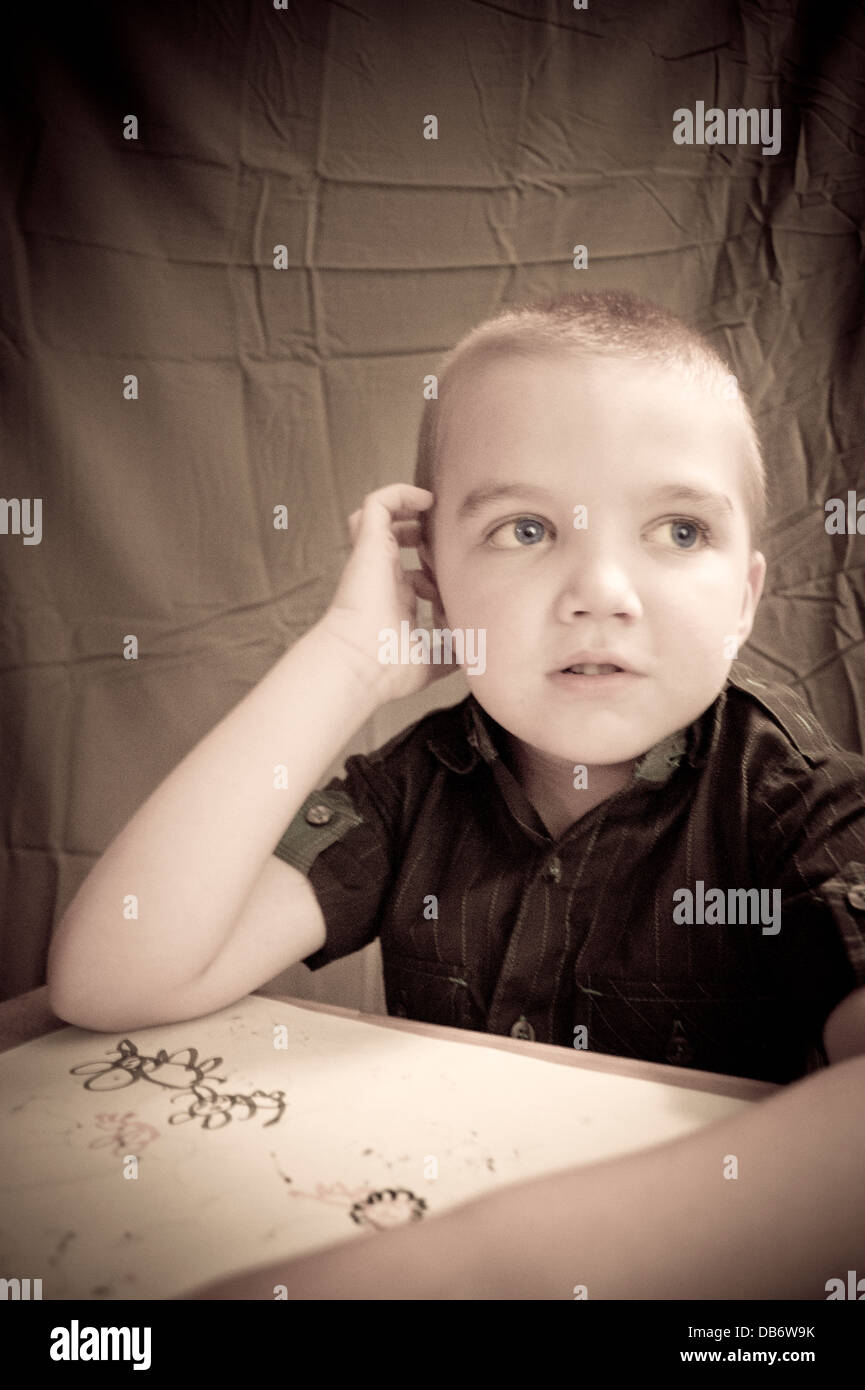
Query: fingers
(391,510)
(402,500)
(408,534)
(395,503)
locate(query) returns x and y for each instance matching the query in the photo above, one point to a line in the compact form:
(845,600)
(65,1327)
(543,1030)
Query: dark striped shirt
(488,922)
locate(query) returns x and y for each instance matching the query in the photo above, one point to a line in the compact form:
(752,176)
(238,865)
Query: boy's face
(606,435)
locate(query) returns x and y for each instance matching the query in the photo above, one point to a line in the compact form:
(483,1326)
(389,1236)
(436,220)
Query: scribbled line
(128,1135)
(130,1066)
(391,1207)
(214,1109)
(182,1072)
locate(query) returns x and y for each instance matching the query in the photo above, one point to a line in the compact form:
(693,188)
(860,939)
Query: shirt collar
(472,739)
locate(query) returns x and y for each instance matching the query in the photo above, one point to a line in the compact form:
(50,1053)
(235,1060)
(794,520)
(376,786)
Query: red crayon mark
(126,1134)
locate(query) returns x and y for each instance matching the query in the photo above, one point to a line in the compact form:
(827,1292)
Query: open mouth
(586,668)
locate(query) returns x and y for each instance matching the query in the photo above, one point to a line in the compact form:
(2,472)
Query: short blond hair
(595,323)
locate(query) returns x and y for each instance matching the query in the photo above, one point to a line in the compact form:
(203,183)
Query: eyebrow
(482,497)
(701,497)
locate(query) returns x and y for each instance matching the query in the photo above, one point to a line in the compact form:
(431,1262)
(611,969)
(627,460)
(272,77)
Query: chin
(617,737)
(597,751)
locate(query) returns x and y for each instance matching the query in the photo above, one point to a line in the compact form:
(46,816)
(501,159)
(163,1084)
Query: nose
(596,579)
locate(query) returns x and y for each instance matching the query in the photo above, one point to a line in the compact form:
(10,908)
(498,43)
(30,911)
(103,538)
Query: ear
(752,595)
(424,547)
(425,556)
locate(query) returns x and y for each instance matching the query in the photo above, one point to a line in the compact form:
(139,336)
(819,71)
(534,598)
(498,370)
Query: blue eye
(529,530)
(526,530)
(698,528)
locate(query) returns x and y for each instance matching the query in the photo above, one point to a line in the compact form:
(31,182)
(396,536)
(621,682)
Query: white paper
(367,1110)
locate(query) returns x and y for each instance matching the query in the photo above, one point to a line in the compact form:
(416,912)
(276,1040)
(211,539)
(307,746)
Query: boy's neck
(548,784)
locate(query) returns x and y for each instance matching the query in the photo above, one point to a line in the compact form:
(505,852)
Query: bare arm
(217,915)
(666,1222)
(662,1223)
(192,853)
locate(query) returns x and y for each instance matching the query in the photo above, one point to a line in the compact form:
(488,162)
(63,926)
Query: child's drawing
(177,1070)
(126,1134)
(381,1210)
(181,1072)
(385,1210)
(369,1107)
(214,1110)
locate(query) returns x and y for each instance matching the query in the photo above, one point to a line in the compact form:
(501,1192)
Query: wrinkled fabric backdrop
(303,386)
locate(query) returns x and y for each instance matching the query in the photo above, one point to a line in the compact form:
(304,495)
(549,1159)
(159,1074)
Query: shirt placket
(541,938)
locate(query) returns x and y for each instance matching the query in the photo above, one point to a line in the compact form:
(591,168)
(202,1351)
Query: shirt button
(679,1051)
(523,1029)
(856,896)
(553,869)
(319,814)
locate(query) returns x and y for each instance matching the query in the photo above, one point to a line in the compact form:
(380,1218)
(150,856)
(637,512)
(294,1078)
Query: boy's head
(604,417)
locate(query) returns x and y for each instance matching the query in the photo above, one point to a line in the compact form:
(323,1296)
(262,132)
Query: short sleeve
(342,839)
(812,839)
(844,896)
(324,817)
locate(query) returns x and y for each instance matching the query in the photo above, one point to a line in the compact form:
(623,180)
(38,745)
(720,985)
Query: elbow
(110,1013)
(93,1019)
(65,997)
(71,1009)
(93,999)
(70,998)
(59,997)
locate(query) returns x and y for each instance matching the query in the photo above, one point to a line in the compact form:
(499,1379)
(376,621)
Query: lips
(593,661)
(585,668)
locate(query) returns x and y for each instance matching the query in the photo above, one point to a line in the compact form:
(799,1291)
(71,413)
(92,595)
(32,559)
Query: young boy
(662,860)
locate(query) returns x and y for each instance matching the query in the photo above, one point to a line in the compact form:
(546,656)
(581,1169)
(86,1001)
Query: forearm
(439,1258)
(662,1223)
(191,853)
(665,1223)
